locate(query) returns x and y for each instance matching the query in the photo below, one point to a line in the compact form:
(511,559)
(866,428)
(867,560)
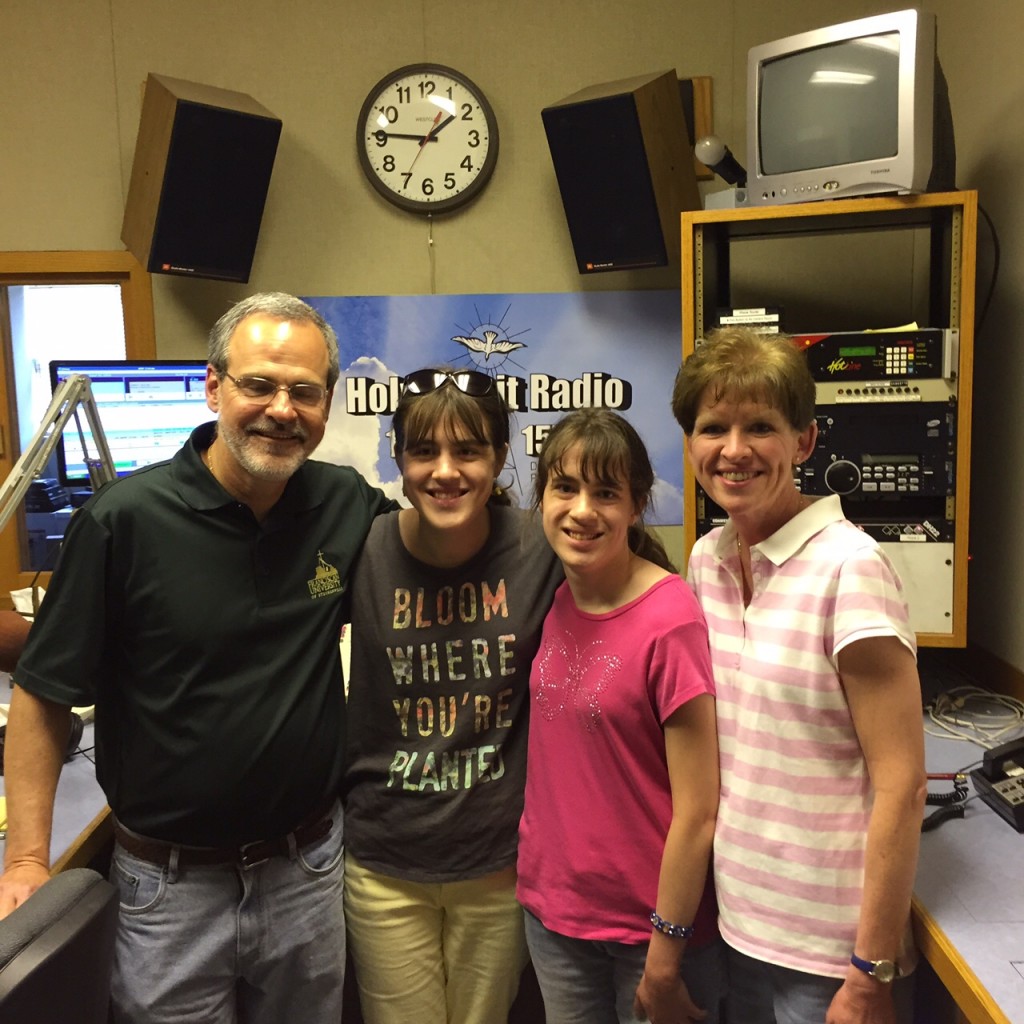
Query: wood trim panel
(97,835)
(972,998)
(57,267)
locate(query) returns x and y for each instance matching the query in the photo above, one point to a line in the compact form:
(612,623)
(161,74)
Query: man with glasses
(198,605)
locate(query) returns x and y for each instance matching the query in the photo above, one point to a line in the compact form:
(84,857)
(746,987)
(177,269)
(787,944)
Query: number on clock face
(428,138)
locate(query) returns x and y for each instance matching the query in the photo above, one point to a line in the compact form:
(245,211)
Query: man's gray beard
(263,467)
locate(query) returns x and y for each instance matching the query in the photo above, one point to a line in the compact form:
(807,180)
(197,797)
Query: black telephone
(1000,781)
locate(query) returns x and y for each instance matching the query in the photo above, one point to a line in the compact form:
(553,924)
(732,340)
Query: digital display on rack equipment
(859,350)
(147,411)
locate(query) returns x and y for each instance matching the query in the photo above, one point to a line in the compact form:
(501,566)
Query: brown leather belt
(157,851)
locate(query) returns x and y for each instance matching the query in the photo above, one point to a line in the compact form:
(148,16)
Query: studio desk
(968,898)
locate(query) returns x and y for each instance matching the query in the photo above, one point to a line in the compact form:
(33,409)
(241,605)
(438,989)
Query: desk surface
(969,900)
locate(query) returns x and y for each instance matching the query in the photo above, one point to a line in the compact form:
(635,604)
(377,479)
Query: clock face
(427,138)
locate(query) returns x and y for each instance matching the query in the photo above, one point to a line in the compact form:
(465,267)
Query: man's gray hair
(280,306)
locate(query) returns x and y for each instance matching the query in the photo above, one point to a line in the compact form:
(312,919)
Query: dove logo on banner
(492,344)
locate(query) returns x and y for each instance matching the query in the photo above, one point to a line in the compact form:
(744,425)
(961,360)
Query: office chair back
(57,951)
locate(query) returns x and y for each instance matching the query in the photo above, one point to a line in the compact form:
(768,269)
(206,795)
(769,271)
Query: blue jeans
(763,993)
(589,982)
(221,944)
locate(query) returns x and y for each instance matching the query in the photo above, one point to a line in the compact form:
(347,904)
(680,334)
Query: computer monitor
(853,109)
(147,410)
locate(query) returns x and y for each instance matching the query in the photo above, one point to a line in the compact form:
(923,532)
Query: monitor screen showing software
(147,410)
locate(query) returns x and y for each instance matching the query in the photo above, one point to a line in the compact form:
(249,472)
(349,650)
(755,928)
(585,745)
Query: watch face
(885,971)
(427,138)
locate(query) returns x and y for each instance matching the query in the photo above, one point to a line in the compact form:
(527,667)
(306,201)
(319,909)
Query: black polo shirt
(208,642)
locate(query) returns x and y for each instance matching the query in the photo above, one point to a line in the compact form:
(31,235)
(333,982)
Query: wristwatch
(884,971)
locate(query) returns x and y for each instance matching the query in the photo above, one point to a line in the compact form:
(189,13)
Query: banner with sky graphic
(548,353)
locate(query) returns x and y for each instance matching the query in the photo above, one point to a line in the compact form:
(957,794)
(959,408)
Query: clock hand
(437,131)
(426,139)
(381,134)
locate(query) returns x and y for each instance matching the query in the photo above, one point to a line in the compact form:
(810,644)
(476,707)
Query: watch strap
(884,971)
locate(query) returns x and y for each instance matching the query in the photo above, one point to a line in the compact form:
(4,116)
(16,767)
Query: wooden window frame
(64,268)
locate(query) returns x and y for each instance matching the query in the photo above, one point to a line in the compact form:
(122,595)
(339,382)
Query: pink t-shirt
(598,801)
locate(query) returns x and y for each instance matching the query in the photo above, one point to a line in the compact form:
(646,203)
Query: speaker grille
(214,191)
(203,160)
(598,152)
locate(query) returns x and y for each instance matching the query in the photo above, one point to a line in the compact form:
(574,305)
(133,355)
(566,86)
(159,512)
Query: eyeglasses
(469,382)
(261,390)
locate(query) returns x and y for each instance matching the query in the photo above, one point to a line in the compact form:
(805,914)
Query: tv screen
(854,109)
(147,410)
(804,96)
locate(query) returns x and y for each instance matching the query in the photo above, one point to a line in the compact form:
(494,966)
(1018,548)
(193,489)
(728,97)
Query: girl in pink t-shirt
(622,771)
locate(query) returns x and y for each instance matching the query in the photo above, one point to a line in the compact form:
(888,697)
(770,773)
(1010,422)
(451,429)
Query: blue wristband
(675,931)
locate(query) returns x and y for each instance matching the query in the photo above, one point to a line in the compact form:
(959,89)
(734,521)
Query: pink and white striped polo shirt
(789,846)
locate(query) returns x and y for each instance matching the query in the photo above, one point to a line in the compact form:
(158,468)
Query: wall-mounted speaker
(625,171)
(199,181)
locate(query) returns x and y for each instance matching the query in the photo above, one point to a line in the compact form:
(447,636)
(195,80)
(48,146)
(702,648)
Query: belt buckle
(247,861)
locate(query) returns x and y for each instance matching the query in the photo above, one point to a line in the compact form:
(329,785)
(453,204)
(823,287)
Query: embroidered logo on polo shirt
(327,580)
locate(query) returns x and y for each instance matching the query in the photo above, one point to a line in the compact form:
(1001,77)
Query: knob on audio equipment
(842,477)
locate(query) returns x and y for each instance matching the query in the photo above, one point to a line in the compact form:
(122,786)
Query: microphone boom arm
(72,393)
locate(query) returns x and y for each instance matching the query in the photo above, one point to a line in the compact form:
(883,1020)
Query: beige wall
(986,78)
(70,96)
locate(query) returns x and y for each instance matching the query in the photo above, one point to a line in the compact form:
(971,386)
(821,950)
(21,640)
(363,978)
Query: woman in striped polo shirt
(819,711)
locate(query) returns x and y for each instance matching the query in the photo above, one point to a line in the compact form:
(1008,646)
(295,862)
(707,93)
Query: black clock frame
(472,190)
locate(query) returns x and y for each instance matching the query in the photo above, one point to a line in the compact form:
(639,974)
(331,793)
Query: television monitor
(147,410)
(859,108)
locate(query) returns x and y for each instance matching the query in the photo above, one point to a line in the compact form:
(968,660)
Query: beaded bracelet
(675,931)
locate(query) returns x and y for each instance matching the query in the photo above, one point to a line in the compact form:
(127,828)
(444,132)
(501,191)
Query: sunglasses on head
(469,382)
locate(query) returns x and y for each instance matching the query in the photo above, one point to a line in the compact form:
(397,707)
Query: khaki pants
(447,953)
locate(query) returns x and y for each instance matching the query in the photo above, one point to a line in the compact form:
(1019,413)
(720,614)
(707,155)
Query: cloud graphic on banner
(358,441)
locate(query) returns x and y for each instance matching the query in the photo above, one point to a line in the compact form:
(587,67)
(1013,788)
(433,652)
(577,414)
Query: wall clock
(427,138)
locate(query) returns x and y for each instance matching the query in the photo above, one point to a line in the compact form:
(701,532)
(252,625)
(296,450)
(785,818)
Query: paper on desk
(24,601)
